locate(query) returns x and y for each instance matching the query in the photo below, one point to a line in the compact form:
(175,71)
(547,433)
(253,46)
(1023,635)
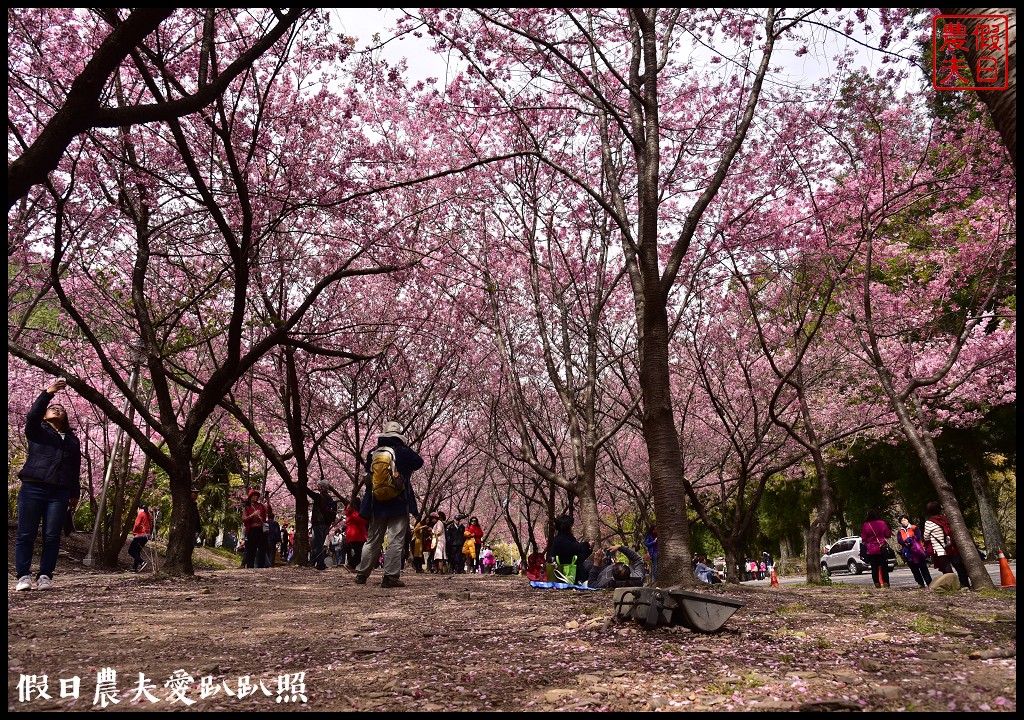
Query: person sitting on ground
(610,575)
(564,545)
(705,573)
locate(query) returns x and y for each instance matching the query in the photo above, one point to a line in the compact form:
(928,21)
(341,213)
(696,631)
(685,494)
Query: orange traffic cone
(775,578)
(1006,578)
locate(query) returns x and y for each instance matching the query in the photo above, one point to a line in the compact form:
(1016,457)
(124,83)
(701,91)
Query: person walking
(478,540)
(439,541)
(912,551)
(49,486)
(338,546)
(390,516)
(141,531)
(325,511)
(284,542)
(355,532)
(419,552)
(456,537)
(487,561)
(874,533)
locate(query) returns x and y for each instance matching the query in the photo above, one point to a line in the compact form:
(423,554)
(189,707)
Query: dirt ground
(292,638)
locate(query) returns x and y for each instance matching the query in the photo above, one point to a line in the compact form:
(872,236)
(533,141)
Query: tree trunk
(924,447)
(819,524)
(590,517)
(967,441)
(180,543)
(732,561)
(665,459)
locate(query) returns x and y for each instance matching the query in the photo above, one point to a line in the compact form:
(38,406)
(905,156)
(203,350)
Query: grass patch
(783,632)
(873,610)
(926,625)
(793,609)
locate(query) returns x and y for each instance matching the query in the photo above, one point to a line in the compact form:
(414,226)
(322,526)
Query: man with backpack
(388,502)
(325,511)
(939,542)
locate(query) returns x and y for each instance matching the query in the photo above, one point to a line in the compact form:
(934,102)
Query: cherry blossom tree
(612,100)
(33,34)
(931,210)
(197,210)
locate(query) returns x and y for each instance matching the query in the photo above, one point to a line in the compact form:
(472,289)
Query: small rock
(939,655)
(877,636)
(572,625)
(946,582)
(656,702)
(779,705)
(557,695)
(870,665)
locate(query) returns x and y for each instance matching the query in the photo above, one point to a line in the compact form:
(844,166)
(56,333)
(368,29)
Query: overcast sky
(362,23)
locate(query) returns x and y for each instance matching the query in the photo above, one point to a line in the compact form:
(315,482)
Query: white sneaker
(24,583)
(44,583)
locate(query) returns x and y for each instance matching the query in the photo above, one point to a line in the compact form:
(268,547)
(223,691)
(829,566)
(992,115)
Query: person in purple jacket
(874,534)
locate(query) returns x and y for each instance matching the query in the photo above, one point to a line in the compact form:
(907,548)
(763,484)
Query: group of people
(757,570)
(51,488)
(917,545)
(439,545)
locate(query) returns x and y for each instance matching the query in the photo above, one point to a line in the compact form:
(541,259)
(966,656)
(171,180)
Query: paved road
(901,577)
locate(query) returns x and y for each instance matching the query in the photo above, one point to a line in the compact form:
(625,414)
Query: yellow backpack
(387,484)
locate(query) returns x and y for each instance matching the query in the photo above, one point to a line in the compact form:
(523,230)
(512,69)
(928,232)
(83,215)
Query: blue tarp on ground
(559,586)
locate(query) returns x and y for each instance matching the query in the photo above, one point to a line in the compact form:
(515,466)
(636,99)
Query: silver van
(844,554)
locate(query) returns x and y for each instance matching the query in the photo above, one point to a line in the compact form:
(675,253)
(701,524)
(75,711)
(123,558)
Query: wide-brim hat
(253,492)
(435,515)
(394,430)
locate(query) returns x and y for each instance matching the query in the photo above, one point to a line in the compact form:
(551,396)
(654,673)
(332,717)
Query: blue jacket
(407,461)
(51,460)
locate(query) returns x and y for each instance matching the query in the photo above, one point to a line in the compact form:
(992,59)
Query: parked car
(844,554)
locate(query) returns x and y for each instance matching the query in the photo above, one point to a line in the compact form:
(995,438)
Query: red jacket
(143,524)
(477,532)
(355,525)
(254,515)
